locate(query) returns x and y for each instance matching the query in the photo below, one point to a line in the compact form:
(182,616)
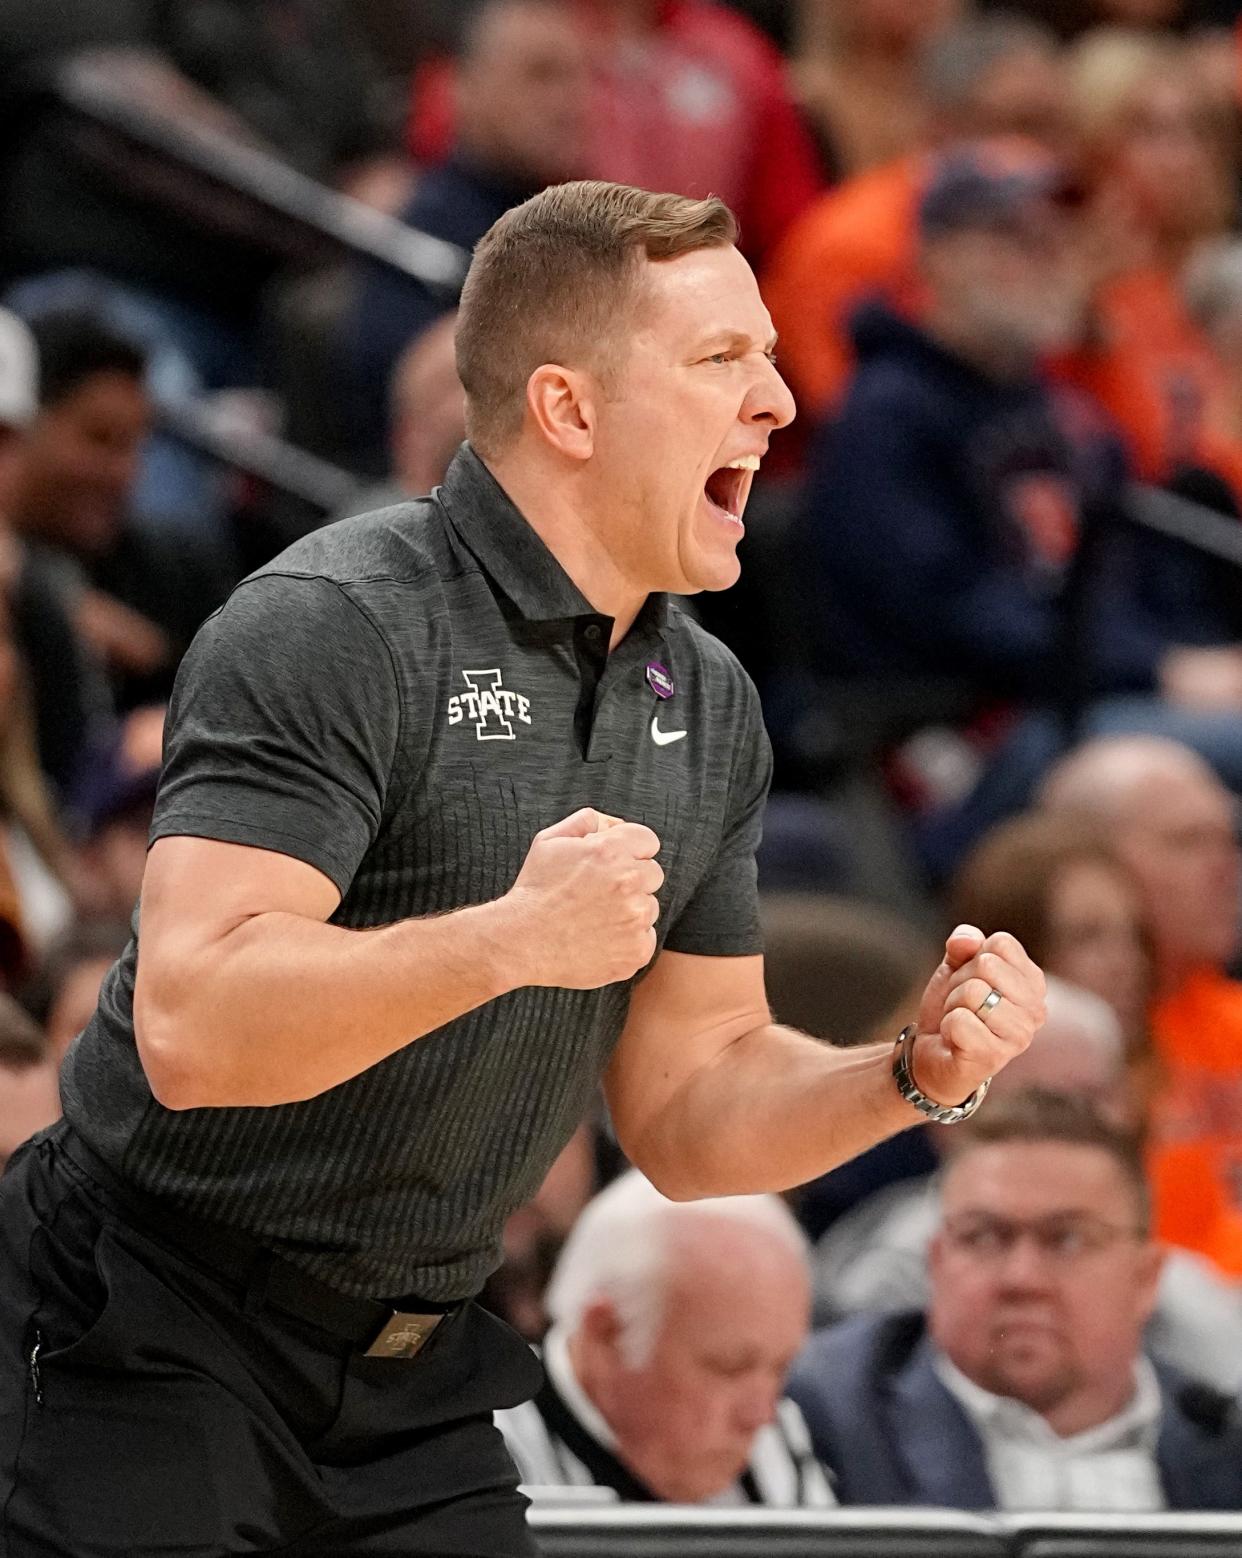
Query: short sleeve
(283,727)
(722,919)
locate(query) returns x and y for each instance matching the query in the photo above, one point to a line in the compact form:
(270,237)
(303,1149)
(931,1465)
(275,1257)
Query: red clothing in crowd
(699,105)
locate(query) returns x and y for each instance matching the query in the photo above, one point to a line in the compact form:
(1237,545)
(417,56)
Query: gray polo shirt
(403,700)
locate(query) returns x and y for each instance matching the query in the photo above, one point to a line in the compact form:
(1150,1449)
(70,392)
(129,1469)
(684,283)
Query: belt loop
(256,1282)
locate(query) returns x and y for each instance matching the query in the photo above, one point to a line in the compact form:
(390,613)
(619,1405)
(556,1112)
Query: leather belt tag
(403,1336)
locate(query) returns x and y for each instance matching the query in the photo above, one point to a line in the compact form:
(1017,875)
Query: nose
(118,470)
(755,1405)
(769,402)
(1024,1267)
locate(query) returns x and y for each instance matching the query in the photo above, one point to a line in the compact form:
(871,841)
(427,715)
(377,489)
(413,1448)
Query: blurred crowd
(991,598)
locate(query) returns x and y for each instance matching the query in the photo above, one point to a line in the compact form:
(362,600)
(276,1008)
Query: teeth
(745,462)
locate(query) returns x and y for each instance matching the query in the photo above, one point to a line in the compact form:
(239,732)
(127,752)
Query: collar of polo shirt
(511,552)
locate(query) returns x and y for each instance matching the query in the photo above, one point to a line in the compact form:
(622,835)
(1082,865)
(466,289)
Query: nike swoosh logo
(662,738)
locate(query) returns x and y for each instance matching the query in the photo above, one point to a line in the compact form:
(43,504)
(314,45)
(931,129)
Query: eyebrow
(736,340)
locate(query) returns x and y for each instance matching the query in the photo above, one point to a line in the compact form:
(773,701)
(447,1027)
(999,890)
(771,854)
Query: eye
(720,358)
(727,1368)
(1068,1241)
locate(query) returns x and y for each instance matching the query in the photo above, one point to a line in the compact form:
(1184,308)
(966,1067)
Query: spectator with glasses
(1025,1384)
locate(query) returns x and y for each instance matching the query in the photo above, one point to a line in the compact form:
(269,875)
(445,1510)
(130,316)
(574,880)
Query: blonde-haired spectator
(1156,151)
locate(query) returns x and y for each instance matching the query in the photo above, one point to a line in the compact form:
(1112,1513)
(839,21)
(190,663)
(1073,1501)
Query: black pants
(151,1405)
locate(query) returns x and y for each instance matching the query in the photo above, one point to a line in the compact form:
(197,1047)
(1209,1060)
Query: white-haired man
(665,1366)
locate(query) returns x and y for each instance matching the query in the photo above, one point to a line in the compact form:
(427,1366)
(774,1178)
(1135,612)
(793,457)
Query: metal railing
(203,171)
(666,1531)
(324,488)
(1169,514)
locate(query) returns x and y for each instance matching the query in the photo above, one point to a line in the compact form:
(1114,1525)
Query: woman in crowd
(1064,892)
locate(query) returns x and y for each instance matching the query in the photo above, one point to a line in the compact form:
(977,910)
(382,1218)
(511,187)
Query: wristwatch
(903,1074)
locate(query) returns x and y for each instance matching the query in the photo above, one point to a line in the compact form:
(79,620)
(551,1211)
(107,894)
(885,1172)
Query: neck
(1089,1408)
(569,519)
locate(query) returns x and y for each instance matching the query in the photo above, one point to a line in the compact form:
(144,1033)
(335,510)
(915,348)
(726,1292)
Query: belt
(378,1328)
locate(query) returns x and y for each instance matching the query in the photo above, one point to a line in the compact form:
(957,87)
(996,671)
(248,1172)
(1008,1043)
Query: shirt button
(592,633)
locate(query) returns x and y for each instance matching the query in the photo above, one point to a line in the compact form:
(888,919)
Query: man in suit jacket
(1025,1385)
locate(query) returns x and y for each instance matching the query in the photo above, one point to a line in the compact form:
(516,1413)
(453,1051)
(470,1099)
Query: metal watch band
(903,1075)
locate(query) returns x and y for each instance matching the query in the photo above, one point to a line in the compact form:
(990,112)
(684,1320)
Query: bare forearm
(283,1008)
(772,1110)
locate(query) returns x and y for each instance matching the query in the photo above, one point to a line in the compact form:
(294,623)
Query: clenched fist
(584,905)
(959,1046)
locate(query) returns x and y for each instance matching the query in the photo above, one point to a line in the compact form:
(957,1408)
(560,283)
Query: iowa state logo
(490,705)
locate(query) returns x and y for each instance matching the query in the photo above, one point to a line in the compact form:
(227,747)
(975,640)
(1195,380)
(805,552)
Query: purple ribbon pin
(659,680)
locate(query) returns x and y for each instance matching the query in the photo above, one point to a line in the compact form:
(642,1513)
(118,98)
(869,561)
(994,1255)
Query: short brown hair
(553,277)
(1006,881)
(837,969)
(1038,1115)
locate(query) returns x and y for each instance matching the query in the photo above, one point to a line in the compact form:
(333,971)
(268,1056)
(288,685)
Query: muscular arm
(710,1097)
(279,752)
(244,995)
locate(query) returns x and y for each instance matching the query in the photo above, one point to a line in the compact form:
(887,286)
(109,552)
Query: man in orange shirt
(994,76)
(1174,823)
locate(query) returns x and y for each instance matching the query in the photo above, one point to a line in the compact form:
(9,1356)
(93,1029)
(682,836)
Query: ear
(600,1326)
(935,1255)
(562,402)
(1150,1266)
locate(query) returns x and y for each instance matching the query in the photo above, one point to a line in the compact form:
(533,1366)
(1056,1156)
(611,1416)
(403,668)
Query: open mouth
(726,488)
